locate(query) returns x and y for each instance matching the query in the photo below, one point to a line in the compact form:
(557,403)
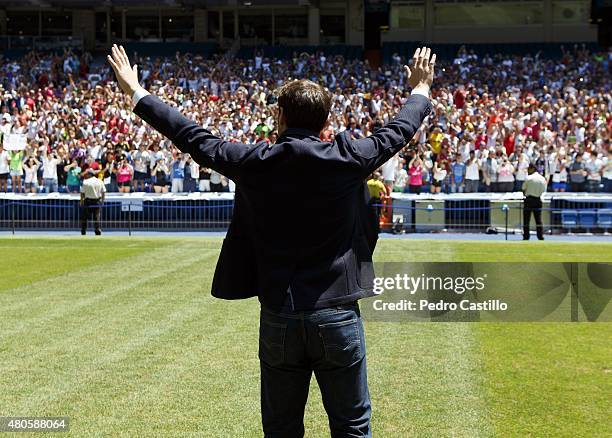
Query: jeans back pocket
(272,342)
(342,342)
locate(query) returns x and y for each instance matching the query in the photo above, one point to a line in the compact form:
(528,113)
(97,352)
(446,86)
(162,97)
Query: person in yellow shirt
(435,140)
(376,187)
(377,190)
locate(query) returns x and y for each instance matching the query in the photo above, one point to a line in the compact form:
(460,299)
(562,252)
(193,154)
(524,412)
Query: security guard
(92,197)
(533,188)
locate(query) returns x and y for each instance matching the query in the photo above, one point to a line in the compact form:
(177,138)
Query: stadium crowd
(494,115)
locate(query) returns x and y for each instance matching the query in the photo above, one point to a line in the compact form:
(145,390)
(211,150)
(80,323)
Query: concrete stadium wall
(84,22)
(514,34)
(84,26)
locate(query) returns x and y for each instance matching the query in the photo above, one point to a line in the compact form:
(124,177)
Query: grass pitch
(122,336)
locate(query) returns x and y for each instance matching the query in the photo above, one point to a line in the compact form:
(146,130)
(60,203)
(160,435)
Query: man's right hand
(127,76)
(421,75)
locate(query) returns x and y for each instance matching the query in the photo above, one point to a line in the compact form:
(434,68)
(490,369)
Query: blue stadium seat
(587,219)
(569,219)
(604,218)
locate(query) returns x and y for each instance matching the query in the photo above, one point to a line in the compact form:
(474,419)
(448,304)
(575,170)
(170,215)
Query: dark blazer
(300,218)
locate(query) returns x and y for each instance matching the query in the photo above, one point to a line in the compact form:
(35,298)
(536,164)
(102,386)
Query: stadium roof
(161,3)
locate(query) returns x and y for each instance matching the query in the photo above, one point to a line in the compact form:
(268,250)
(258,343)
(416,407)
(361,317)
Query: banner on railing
(131,204)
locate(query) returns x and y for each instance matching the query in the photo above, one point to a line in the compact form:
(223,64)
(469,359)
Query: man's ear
(327,123)
(281,115)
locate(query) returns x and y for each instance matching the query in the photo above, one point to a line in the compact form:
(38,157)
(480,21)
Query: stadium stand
(449,51)
(492,118)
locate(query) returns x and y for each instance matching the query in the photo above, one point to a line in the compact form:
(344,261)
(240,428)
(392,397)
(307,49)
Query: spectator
(521,166)
(16,169)
(141,162)
(191,174)
(378,191)
(439,175)
(109,177)
(505,177)
(4,168)
(125,173)
(389,170)
(472,174)
(62,175)
(458,175)
(559,177)
(416,174)
(594,167)
(204,185)
(216,182)
(160,173)
(178,173)
(49,165)
(73,170)
(578,175)
(30,167)
(435,140)
(607,173)
(489,172)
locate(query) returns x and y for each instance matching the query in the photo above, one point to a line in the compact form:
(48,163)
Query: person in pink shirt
(415,172)
(124,175)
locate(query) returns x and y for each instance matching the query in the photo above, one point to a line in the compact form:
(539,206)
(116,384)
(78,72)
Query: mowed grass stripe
(424,380)
(37,293)
(198,374)
(548,379)
(425,377)
(199,379)
(31,262)
(83,327)
(90,355)
(57,297)
(420,250)
(71,379)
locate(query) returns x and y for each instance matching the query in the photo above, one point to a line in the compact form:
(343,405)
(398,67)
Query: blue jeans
(330,342)
(50,185)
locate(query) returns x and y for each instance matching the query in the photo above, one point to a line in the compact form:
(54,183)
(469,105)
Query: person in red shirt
(509,141)
(535,131)
(459,97)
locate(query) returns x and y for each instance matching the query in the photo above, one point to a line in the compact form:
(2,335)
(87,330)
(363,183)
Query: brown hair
(305,104)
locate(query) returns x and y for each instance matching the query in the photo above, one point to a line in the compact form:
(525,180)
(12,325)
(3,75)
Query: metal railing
(402,213)
(145,212)
(493,213)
